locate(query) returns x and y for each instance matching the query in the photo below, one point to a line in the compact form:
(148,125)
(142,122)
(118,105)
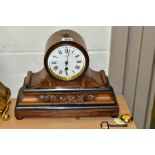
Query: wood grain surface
(65,122)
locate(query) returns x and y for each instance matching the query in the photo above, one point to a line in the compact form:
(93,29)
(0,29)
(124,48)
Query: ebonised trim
(68,90)
(66,107)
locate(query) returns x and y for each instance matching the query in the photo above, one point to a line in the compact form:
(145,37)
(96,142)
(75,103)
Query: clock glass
(66,62)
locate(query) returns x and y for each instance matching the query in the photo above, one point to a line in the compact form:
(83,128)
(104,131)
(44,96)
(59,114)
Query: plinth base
(104,104)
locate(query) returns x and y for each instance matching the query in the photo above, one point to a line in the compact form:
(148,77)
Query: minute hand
(68,56)
(66,62)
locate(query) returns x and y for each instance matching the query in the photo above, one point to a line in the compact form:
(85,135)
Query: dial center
(66,68)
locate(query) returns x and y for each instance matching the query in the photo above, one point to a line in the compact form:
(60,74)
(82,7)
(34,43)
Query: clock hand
(66,62)
(68,55)
(66,69)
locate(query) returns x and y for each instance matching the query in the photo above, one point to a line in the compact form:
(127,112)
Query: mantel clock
(66,86)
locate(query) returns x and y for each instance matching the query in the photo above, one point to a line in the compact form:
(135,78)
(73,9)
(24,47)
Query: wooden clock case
(43,95)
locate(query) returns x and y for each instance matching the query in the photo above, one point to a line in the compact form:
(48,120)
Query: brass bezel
(74,44)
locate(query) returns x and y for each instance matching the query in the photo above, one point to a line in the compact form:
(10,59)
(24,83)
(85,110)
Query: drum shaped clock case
(66,86)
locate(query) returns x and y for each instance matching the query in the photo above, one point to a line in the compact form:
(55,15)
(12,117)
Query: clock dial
(66,62)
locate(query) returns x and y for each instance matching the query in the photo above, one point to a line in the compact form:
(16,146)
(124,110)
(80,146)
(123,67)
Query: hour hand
(66,71)
(66,62)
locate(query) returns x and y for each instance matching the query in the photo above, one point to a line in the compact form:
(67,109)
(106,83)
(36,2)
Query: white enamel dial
(66,62)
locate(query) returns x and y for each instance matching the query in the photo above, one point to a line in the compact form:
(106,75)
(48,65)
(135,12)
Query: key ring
(104,125)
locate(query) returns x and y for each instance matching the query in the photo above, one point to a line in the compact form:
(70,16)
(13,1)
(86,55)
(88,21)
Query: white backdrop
(22,49)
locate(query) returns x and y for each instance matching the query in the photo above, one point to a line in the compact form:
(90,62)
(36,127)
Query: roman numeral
(60,52)
(79,61)
(67,50)
(77,56)
(55,56)
(77,67)
(54,62)
(55,68)
(60,72)
(66,73)
(73,71)
(72,51)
